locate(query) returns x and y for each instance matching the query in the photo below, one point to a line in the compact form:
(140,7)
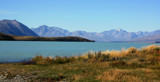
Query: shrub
(61,60)
(131,50)
(104,57)
(90,55)
(97,56)
(40,60)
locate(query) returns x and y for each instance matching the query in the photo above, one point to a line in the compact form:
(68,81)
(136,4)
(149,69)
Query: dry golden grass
(121,53)
(128,75)
(118,75)
(151,47)
(77,77)
(113,53)
(133,61)
(24,37)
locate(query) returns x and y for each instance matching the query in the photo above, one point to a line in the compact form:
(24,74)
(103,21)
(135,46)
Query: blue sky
(87,15)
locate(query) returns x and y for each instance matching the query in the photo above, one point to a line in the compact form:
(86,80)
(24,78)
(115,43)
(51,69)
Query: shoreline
(85,54)
(131,64)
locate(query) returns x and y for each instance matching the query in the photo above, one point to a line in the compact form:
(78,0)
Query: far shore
(5,37)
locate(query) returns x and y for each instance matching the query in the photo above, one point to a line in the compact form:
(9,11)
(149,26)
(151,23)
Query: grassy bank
(125,65)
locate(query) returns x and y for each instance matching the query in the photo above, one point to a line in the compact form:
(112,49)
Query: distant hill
(33,38)
(153,38)
(111,35)
(14,27)
(45,31)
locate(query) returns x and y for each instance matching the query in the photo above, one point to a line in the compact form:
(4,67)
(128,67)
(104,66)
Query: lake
(14,51)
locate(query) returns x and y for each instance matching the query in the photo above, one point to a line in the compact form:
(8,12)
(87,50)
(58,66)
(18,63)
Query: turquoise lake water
(13,51)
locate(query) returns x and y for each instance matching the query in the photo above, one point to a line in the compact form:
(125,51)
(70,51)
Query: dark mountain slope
(14,27)
(6,37)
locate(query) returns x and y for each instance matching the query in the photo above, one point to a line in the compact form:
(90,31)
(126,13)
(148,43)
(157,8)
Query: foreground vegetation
(131,65)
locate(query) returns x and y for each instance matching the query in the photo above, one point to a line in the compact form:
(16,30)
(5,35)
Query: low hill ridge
(34,38)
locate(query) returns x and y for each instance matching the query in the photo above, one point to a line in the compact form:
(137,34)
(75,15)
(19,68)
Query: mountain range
(111,35)
(14,27)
